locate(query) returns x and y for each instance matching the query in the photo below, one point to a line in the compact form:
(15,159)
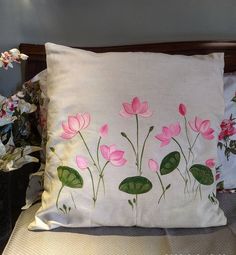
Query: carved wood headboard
(37,56)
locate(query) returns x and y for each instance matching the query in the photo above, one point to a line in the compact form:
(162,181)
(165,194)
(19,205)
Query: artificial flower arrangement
(17,135)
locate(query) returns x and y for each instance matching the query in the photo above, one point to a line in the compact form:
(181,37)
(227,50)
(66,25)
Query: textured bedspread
(130,241)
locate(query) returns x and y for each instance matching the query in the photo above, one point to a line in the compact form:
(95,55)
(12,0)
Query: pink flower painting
(114,156)
(168,133)
(103,131)
(210,163)
(82,162)
(75,124)
(202,127)
(182,109)
(135,108)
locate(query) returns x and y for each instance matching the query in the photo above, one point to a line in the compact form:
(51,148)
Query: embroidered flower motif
(75,124)
(153,165)
(81,162)
(103,131)
(227,129)
(135,108)
(167,133)
(182,109)
(116,157)
(202,127)
(210,163)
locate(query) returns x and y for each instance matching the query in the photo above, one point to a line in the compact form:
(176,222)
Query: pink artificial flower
(116,157)
(168,133)
(135,108)
(202,127)
(75,124)
(210,163)
(6,60)
(182,109)
(153,165)
(103,131)
(81,162)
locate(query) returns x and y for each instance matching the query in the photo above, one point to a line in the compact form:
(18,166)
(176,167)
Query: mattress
(130,241)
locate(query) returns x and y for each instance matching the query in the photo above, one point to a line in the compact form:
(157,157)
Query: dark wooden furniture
(37,56)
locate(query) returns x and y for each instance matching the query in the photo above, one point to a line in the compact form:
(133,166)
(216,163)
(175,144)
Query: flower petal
(204,126)
(66,128)
(103,131)
(67,136)
(116,155)
(120,162)
(128,108)
(87,118)
(153,165)
(81,162)
(73,123)
(105,150)
(124,114)
(136,105)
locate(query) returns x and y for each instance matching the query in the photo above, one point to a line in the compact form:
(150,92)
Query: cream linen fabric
(103,86)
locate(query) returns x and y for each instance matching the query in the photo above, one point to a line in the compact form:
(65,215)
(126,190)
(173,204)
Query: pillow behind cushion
(128,143)
(227,135)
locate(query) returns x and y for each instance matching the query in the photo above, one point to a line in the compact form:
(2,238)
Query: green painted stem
(91,175)
(143,148)
(163,194)
(86,146)
(98,144)
(98,161)
(186,162)
(99,181)
(186,131)
(137,142)
(195,141)
(73,200)
(59,196)
(135,154)
(162,186)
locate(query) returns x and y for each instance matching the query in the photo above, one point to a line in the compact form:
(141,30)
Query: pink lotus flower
(116,157)
(135,108)
(75,124)
(82,162)
(210,163)
(168,133)
(202,127)
(182,109)
(103,131)
(153,165)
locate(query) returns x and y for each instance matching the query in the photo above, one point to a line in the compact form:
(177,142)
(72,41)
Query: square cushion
(227,135)
(131,139)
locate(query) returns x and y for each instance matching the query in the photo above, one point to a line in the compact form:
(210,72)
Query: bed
(129,240)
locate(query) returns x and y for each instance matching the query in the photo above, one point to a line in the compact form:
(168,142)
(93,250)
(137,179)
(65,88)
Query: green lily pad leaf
(135,185)
(170,162)
(69,177)
(202,174)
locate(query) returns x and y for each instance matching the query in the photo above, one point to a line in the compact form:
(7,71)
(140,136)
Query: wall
(110,22)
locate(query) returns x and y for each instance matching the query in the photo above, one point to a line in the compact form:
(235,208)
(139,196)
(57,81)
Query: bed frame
(37,56)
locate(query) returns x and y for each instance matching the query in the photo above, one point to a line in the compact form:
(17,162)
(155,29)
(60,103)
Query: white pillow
(128,113)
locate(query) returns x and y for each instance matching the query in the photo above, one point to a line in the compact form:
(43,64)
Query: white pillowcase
(131,139)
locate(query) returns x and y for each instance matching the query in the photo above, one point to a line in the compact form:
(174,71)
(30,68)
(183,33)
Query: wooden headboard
(37,56)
